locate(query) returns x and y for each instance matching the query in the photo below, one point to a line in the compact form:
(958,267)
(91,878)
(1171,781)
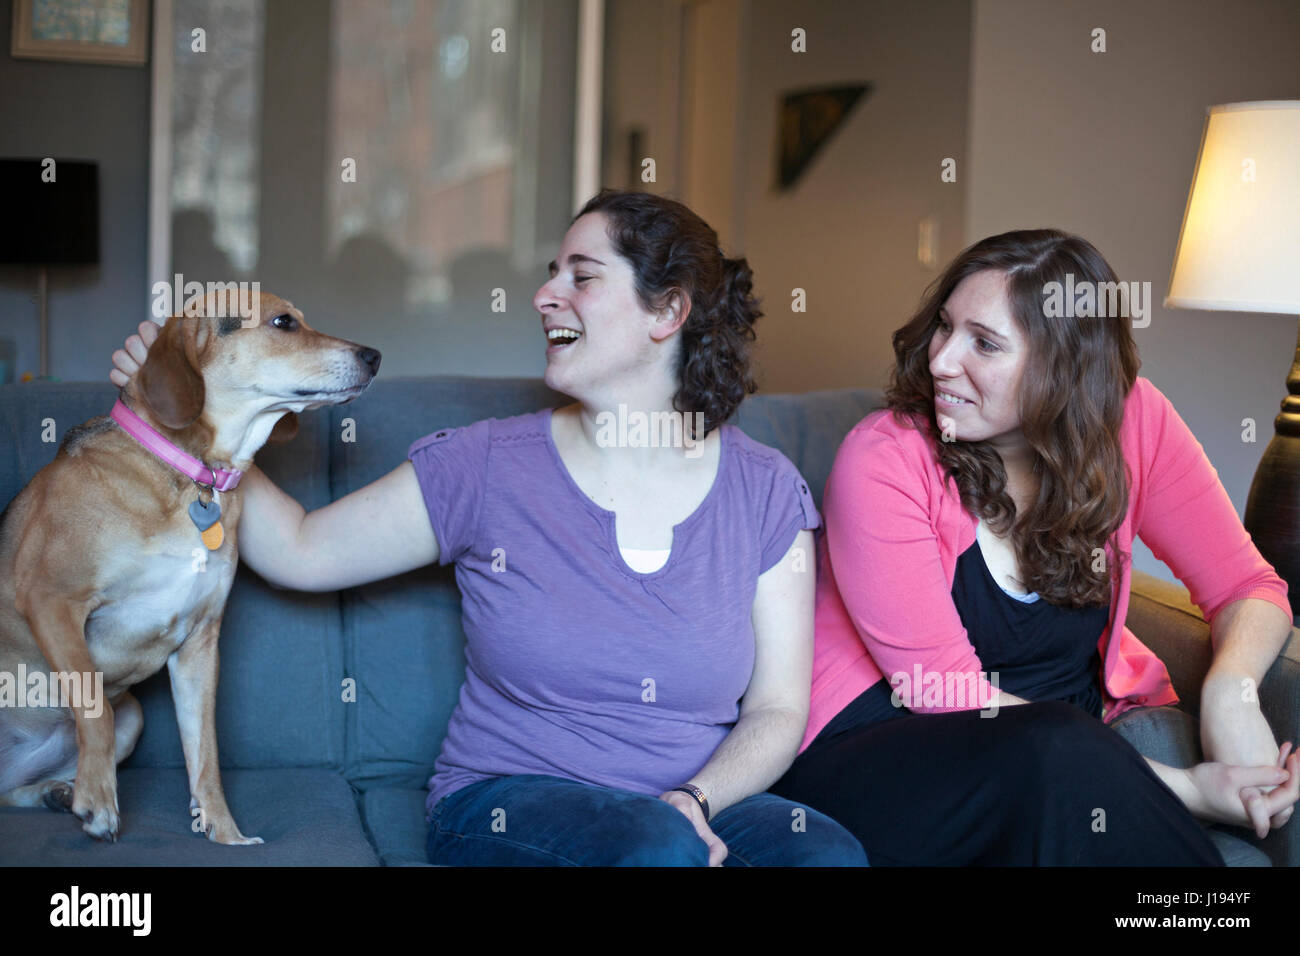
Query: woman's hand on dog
(128,359)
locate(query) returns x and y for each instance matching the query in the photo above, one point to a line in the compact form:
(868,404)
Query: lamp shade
(1239,248)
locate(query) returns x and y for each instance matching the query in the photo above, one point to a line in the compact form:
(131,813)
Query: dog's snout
(369,358)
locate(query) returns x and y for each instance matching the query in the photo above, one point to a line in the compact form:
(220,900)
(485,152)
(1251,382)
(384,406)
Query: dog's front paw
(219,830)
(96,806)
(232,837)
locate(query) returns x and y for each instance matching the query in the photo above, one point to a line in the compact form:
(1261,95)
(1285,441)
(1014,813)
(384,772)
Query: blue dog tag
(205,516)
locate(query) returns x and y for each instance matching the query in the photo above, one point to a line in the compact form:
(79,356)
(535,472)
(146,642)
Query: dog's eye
(286,322)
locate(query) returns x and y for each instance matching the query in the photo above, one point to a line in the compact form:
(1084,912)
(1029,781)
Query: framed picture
(113,32)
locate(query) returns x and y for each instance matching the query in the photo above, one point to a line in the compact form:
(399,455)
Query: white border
(587,101)
(160,148)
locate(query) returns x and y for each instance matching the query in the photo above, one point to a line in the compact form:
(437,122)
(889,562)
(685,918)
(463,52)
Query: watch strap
(698,794)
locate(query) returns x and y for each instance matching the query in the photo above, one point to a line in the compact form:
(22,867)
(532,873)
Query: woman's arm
(774,709)
(1189,523)
(1247,636)
(377,531)
(885,553)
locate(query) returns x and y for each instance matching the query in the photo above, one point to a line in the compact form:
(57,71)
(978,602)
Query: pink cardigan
(895,528)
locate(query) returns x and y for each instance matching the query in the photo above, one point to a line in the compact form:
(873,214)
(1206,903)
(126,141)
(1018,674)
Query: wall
(642,92)
(97,113)
(1104,144)
(846,232)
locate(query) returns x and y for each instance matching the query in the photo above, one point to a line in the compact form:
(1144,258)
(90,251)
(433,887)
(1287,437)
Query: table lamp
(51,216)
(1239,251)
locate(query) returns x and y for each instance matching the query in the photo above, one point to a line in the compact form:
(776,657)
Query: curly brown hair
(1078,374)
(671,249)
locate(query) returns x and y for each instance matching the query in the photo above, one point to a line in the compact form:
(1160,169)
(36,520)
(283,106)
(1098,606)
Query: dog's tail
(29,754)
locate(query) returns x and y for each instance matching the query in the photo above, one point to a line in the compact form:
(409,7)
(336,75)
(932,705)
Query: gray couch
(329,781)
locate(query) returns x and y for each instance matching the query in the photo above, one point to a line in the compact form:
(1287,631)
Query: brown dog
(105,574)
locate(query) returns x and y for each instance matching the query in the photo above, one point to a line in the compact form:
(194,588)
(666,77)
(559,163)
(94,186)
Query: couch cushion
(308,817)
(1167,735)
(808,428)
(394,818)
(279,696)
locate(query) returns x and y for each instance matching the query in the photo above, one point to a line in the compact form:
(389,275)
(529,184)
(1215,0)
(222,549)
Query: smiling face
(597,331)
(977,357)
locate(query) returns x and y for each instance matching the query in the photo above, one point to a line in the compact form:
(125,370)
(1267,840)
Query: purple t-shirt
(576,665)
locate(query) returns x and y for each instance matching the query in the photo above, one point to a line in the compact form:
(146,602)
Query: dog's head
(268,362)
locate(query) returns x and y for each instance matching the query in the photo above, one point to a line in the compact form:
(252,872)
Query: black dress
(1045,783)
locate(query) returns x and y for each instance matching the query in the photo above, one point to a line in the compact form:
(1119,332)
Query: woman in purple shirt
(636,576)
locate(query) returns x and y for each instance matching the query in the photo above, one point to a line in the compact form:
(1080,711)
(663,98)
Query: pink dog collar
(221,479)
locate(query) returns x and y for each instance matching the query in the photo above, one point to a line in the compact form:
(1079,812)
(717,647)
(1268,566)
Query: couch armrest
(1164,618)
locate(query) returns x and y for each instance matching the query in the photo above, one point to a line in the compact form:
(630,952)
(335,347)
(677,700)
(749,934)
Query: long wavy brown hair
(1078,372)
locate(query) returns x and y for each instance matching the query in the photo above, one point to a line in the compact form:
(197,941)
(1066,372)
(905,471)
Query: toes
(99,816)
(242,840)
(229,835)
(102,825)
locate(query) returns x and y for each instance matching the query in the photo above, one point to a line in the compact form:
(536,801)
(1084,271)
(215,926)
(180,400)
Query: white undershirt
(645,561)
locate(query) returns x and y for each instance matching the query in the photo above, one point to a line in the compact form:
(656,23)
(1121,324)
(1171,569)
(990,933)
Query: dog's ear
(284,429)
(169,383)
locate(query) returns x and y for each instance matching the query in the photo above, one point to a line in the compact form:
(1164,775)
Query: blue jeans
(539,820)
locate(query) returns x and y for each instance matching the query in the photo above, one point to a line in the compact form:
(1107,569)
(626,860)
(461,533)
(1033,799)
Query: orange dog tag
(207,518)
(214,536)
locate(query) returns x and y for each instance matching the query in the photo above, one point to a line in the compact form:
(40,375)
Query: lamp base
(1273,512)
(1273,508)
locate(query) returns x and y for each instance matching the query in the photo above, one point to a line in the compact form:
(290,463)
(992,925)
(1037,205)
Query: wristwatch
(698,794)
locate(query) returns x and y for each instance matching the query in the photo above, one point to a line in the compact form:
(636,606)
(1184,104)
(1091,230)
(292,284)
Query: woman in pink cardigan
(977,558)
